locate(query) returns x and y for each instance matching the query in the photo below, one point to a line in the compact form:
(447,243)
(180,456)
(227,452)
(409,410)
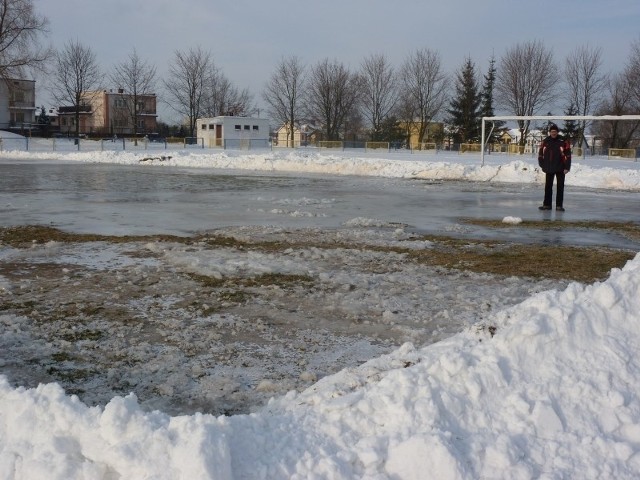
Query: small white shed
(234,132)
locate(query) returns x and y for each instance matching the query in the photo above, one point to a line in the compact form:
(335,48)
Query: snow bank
(546,389)
(596,172)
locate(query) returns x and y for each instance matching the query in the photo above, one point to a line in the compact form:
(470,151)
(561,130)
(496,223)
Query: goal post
(547,118)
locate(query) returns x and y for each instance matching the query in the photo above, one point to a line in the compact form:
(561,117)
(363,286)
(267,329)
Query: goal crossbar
(549,117)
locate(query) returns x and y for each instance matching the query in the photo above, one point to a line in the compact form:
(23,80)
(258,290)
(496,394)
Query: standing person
(554,158)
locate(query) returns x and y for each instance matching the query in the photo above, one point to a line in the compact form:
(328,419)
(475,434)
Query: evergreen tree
(545,128)
(486,107)
(390,131)
(465,106)
(43,118)
(571,128)
(43,121)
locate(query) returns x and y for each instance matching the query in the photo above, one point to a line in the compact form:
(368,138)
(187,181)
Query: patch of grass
(207,281)
(21,236)
(233,289)
(281,280)
(25,306)
(61,357)
(584,264)
(628,229)
(278,279)
(217,241)
(549,261)
(233,296)
(75,375)
(91,335)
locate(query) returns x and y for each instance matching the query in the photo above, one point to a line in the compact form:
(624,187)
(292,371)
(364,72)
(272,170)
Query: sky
(247,39)
(546,388)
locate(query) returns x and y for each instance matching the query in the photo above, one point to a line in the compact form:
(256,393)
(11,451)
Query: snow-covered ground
(544,384)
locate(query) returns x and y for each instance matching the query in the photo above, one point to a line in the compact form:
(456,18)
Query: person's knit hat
(553,126)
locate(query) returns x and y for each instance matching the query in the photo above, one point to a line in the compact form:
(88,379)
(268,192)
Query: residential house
(17,104)
(110,113)
(534,138)
(303,135)
(434,133)
(233,132)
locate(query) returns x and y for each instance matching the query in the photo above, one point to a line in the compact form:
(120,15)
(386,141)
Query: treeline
(377,100)
(383,102)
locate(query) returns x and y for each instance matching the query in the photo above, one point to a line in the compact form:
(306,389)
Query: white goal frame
(546,117)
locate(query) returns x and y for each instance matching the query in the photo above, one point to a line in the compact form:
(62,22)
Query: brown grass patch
(628,229)
(584,264)
(29,234)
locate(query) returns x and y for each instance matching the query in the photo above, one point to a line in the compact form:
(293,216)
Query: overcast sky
(248,38)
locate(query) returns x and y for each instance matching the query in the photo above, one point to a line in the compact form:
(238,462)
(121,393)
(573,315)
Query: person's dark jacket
(554,155)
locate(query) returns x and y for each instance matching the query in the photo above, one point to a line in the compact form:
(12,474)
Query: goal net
(547,118)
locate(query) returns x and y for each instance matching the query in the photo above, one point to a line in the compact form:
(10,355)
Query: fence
(37,144)
(330,144)
(470,148)
(629,153)
(424,146)
(34,144)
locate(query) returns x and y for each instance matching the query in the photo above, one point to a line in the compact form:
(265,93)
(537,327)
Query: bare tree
(526,81)
(333,94)
(186,86)
(76,79)
(224,98)
(283,93)
(585,82)
(380,92)
(632,72)
(619,100)
(21,32)
(424,88)
(136,78)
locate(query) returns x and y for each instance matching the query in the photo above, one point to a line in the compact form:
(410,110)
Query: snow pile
(596,172)
(512,220)
(548,388)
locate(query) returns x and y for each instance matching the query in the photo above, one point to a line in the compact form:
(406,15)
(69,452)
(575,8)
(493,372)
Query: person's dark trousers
(548,188)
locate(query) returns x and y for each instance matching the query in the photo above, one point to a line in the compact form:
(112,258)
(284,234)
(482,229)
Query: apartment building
(108,113)
(17,104)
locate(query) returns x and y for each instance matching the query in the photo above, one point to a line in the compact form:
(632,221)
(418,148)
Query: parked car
(156,138)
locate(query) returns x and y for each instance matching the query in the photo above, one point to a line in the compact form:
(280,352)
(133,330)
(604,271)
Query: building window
(247,127)
(211,126)
(238,127)
(255,128)
(204,126)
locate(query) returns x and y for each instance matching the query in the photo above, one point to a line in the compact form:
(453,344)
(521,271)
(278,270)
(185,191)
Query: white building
(233,132)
